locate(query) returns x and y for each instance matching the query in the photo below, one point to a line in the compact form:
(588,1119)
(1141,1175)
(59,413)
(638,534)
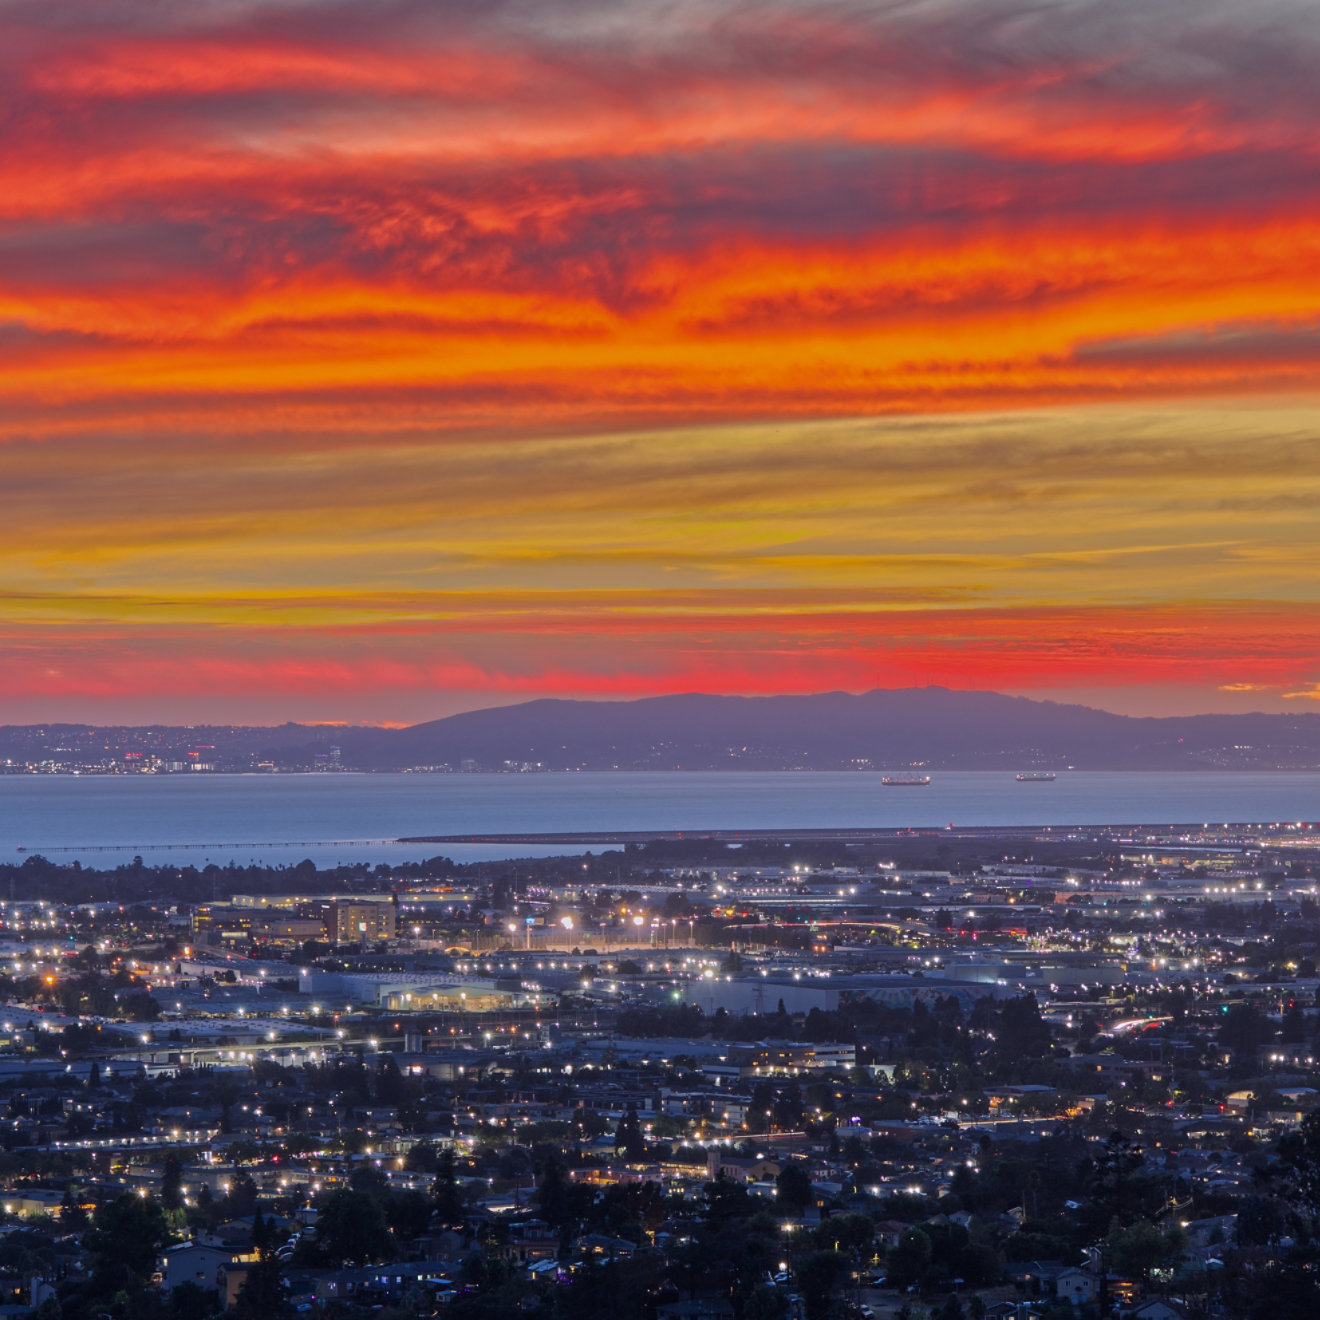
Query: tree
(628,1138)
(817,1276)
(1140,1248)
(1284,1290)
(1022,1032)
(352,1226)
(1245,1029)
(552,1196)
(445,1189)
(909,1258)
(1115,1171)
(793,1188)
(1260,1221)
(127,1234)
(1299,1160)
(242,1196)
(190,1301)
(726,1201)
(850,1232)
(765,1303)
(1293,1027)
(408,1213)
(391,1085)
(171,1184)
(263,1295)
(422,1157)
(263,1235)
(140,1007)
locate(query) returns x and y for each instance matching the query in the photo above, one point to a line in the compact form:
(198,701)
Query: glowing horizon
(368,363)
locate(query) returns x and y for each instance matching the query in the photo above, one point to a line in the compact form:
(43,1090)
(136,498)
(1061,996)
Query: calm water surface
(350,817)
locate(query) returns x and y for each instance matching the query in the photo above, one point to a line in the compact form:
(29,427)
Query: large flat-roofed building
(214,923)
(277,928)
(465,996)
(363,921)
(221,923)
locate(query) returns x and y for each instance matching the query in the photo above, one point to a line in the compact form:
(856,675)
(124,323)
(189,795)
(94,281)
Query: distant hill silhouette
(886,729)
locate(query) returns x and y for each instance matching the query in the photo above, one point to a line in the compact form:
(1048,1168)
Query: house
(740,1168)
(528,1241)
(192,1262)
(1202,1233)
(1158,1308)
(394,1278)
(598,1244)
(1077,1286)
(231,1277)
(700,1308)
(888,1232)
(235,1236)
(1035,1275)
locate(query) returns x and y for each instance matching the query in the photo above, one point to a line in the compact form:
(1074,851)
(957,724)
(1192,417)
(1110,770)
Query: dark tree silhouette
(171,1183)
(264,1295)
(793,1188)
(628,1138)
(352,1226)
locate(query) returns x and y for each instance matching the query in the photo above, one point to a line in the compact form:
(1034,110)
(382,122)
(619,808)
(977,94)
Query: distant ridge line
(43,850)
(895,730)
(846,834)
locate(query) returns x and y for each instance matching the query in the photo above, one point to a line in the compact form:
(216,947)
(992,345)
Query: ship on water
(1036,777)
(904,781)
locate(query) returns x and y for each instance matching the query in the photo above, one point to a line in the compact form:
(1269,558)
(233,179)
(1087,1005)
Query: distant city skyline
(372,362)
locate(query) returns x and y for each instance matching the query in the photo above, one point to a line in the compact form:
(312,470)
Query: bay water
(334,818)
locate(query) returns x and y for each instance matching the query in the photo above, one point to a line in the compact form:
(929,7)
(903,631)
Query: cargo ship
(1036,777)
(904,781)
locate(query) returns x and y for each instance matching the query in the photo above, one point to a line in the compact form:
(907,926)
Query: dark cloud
(598,228)
(1235,344)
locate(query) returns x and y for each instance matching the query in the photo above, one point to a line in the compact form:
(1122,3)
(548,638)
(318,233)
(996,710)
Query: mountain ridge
(883,729)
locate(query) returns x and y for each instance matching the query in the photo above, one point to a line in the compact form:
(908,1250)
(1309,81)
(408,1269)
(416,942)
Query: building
(33,1201)
(789,1058)
(363,920)
(192,1262)
(1078,1286)
(469,995)
(278,928)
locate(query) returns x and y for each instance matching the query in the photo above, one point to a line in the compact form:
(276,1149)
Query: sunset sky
(372,360)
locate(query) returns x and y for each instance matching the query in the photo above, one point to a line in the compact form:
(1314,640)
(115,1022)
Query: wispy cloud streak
(351,317)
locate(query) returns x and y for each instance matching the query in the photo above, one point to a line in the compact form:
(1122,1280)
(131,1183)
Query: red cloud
(292,231)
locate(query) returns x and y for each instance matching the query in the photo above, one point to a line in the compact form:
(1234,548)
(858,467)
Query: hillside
(886,729)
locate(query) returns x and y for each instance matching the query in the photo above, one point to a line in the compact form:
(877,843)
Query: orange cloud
(633,653)
(408,346)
